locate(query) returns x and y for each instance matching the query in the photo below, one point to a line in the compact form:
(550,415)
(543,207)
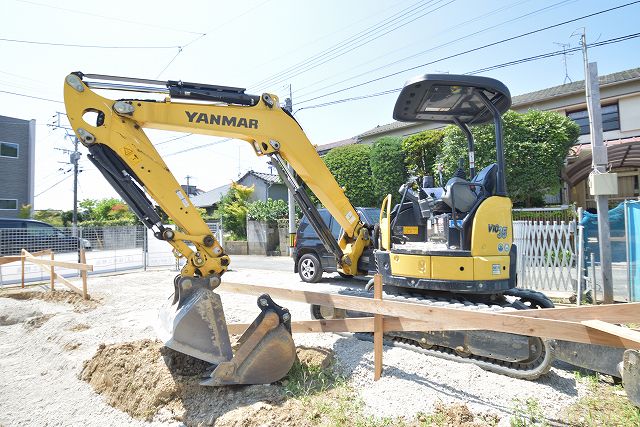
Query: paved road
(259,262)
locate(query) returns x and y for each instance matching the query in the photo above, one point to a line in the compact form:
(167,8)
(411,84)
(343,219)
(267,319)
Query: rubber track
(528,371)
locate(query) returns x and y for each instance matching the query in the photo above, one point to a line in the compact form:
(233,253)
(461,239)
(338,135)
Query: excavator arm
(119,147)
(194,323)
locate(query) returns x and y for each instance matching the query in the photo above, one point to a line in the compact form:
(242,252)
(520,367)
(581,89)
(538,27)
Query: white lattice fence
(546,255)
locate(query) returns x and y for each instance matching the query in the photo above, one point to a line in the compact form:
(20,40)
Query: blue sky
(267,45)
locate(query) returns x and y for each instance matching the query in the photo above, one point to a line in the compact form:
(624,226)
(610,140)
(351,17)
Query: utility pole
(601,183)
(74,159)
(188,187)
(292,204)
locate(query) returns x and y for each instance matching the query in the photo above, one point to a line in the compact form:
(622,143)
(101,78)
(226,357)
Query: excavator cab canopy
(448,98)
(461,100)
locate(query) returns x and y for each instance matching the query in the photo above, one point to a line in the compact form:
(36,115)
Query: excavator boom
(193,322)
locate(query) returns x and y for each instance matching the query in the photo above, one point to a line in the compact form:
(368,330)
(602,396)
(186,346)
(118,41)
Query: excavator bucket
(194,324)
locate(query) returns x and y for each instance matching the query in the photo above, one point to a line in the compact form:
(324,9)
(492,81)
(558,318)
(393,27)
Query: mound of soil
(147,380)
(457,415)
(68,297)
(315,356)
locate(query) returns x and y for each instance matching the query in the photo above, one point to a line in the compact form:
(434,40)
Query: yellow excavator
(194,322)
(448,246)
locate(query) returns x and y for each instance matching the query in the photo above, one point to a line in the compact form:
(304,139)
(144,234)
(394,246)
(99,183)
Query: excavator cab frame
(473,251)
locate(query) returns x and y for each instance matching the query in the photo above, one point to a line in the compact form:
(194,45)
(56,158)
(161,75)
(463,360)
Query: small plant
(605,404)
(528,413)
(304,380)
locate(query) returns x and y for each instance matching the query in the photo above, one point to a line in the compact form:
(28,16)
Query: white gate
(546,255)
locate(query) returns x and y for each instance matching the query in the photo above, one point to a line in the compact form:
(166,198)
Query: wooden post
(53,274)
(83,274)
(378,330)
(22,262)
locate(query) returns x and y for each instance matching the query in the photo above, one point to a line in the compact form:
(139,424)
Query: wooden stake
(378,330)
(83,274)
(53,274)
(22,262)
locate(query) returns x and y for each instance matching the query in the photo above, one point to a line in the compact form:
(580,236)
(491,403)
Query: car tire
(309,268)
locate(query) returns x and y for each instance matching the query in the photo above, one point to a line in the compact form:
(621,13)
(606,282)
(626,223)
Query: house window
(8,149)
(610,119)
(8,204)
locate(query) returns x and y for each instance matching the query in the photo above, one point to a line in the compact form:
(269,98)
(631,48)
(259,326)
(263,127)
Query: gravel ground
(43,345)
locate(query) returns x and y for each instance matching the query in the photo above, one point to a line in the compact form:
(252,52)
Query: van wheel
(309,268)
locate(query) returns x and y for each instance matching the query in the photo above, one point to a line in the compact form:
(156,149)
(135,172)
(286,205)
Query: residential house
(620,101)
(17,164)
(266,186)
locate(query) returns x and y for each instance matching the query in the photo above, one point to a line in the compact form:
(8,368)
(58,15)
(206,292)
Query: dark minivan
(34,236)
(310,257)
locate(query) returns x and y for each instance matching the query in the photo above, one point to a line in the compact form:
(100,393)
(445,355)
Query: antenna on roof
(564,47)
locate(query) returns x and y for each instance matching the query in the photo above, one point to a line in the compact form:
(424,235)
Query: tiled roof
(210,197)
(266,177)
(329,146)
(525,98)
(574,87)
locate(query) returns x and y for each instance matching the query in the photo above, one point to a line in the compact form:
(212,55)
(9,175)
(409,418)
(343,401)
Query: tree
(50,216)
(421,151)
(351,167)
(536,144)
(109,211)
(232,210)
(269,210)
(387,167)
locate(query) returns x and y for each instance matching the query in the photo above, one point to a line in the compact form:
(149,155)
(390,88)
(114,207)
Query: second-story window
(610,119)
(8,149)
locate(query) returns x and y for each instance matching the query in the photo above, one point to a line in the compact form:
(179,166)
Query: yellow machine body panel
(451,268)
(490,268)
(411,265)
(491,240)
(492,229)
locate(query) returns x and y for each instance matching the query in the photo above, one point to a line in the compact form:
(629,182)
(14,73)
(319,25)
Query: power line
(173,139)
(461,25)
(112,18)
(85,45)
(470,50)
(202,35)
(405,13)
(564,51)
(31,96)
(200,146)
(349,49)
(63,179)
(482,70)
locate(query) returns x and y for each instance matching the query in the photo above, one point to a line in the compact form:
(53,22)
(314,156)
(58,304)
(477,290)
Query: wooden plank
(378,330)
(354,324)
(83,274)
(64,264)
(52,274)
(9,259)
(22,272)
(612,313)
(626,334)
(443,319)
